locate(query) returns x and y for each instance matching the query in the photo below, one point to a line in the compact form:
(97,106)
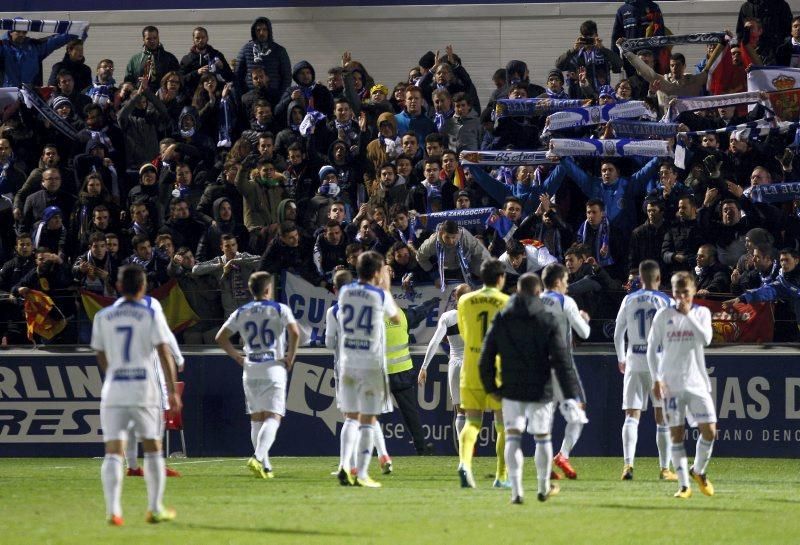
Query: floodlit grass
(49,501)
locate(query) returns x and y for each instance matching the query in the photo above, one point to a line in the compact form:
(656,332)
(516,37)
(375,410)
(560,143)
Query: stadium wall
(387,38)
(49,406)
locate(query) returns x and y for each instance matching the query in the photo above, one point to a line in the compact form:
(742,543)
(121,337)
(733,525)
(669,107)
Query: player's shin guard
(255,428)
(156,479)
(499,450)
(630,435)
(572,432)
(366,443)
(544,462)
(111,476)
(132,451)
(265,439)
(466,442)
(514,461)
(680,463)
(664,443)
(702,455)
(347,443)
(380,441)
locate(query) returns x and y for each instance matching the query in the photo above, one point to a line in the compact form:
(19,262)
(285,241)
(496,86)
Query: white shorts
(363,391)
(453,378)
(147,422)
(267,393)
(696,408)
(538,416)
(637,389)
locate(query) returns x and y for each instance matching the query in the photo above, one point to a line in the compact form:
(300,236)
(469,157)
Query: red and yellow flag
(42,315)
(459,180)
(177,311)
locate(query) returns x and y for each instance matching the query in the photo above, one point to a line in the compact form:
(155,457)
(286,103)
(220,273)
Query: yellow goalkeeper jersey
(476,311)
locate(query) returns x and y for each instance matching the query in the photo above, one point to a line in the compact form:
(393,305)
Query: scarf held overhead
(46,26)
(510,107)
(595,115)
(654,42)
(689,104)
(507,157)
(628,128)
(625,147)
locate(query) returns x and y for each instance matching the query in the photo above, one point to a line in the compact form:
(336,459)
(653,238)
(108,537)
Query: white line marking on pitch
(206,461)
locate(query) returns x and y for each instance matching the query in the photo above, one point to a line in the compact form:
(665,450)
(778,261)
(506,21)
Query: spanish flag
(459,179)
(42,316)
(177,311)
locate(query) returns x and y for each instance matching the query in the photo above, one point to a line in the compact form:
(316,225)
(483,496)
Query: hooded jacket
(270,55)
(207,207)
(376,150)
(528,360)
(23,63)
(289,135)
(260,202)
(81,73)
(210,242)
(316,96)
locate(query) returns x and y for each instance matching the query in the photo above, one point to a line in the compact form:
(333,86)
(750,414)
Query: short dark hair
(582,251)
(596,202)
(131,278)
(500,74)
(765,249)
(226,236)
(434,137)
(332,223)
(491,271)
(588,28)
(139,239)
(149,28)
(97,237)
(100,208)
(512,199)
(433,160)
(450,227)
(295,147)
(529,284)
(287,227)
(678,57)
(463,97)
(369,264)
(553,273)
(514,248)
(258,282)
(649,270)
(388,165)
(260,103)
(790,251)
(396,209)
(730,201)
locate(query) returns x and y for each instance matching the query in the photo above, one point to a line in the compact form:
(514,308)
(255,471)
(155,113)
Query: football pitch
(60,500)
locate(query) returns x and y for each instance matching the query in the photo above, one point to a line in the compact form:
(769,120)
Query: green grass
(49,501)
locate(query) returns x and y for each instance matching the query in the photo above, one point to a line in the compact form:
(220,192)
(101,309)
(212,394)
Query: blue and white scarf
(226,123)
(101,93)
(773,193)
(35,102)
(515,107)
(690,104)
(441,118)
(625,147)
(46,26)
(561,95)
(628,128)
(595,115)
(309,121)
(506,157)
(602,239)
(463,264)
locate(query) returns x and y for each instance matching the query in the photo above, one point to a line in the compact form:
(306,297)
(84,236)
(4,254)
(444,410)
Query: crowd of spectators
(206,169)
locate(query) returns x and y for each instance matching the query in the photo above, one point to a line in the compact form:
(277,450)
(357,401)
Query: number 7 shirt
(361,331)
(476,311)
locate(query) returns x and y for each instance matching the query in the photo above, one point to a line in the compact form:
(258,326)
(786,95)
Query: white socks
(702,455)
(572,432)
(155,479)
(255,428)
(514,462)
(460,420)
(380,441)
(366,442)
(630,434)
(347,443)
(111,476)
(544,462)
(681,464)
(265,439)
(132,451)
(663,441)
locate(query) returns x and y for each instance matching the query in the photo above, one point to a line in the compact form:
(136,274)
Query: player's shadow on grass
(268,530)
(678,507)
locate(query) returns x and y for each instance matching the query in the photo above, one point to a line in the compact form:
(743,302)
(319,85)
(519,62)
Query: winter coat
(274,59)
(528,360)
(210,243)
(194,60)
(163,62)
(23,63)
(317,97)
(81,73)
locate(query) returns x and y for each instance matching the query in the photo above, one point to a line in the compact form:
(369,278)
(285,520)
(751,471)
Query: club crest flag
(42,316)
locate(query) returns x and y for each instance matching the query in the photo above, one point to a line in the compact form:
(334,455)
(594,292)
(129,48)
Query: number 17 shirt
(476,311)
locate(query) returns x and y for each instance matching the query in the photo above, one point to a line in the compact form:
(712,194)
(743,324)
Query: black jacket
(81,73)
(683,237)
(194,60)
(527,359)
(715,278)
(646,243)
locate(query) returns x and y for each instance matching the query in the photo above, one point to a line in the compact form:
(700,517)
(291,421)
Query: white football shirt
(261,325)
(128,332)
(635,317)
(565,308)
(681,364)
(361,332)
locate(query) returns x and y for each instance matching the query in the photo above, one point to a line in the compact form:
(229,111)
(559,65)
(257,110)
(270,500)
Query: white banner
(309,304)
